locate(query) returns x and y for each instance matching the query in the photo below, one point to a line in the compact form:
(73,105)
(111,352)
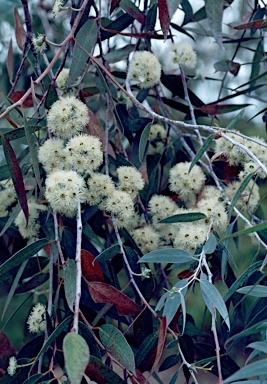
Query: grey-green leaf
(210,245)
(254,290)
(86,37)
(116,344)
(70,273)
(258,368)
(76,354)
(108,253)
(201,151)
(171,255)
(143,142)
(214,10)
(212,296)
(183,218)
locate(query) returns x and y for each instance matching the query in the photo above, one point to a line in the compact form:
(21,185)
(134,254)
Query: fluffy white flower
(62,78)
(249,198)
(32,229)
(63,190)
(181,54)
(53,156)
(99,186)
(57,7)
(84,153)
(11,370)
(67,117)
(183,183)
(234,154)
(161,207)
(251,167)
(157,139)
(119,203)
(190,236)
(7,197)
(144,69)
(39,43)
(215,212)
(37,319)
(146,238)
(130,180)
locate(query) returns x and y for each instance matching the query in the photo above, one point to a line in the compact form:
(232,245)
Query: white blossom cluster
(157,139)
(7,196)
(144,69)
(31,229)
(37,319)
(179,54)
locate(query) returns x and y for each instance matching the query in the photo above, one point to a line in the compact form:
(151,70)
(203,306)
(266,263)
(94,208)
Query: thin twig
(78,269)
(217,346)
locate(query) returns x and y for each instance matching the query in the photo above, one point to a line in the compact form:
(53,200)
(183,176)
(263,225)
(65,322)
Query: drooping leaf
(258,345)
(148,344)
(101,373)
(19,30)
(214,11)
(14,115)
(227,66)
(164,17)
(177,256)
(256,24)
(219,109)
(183,218)
(169,362)
(116,344)
(76,354)
(69,274)
(143,142)
(115,55)
(211,297)
(13,287)
(239,192)
(235,120)
(104,293)
(254,228)
(173,299)
(34,379)
(201,151)
(254,329)
(129,7)
(22,255)
(108,253)
(254,290)
(118,25)
(51,96)
(173,6)
(86,37)
(91,269)
(31,139)
(210,245)
(32,283)
(85,332)
(10,62)
(258,56)
(59,329)
(258,368)
(161,342)
(16,175)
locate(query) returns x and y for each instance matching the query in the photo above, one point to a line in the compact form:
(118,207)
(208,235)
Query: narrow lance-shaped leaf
(214,10)
(69,274)
(16,175)
(108,253)
(238,193)
(129,7)
(86,37)
(19,30)
(183,218)
(201,151)
(10,61)
(255,228)
(76,354)
(258,368)
(116,344)
(143,142)
(235,120)
(33,151)
(177,256)
(161,342)
(164,17)
(254,290)
(23,255)
(211,297)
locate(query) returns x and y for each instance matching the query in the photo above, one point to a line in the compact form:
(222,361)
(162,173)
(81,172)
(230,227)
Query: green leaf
(51,96)
(115,55)
(34,379)
(13,287)
(254,290)
(129,7)
(210,245)
(169,362)
(116,344)
(173,300)
(235,120)
(108,253)
(15,113)
(174,378)
(143,142)
(245,275)
(259,346)
(255,329)
(211,297)
(146,347)
(255,228)
(214,10)
(258,56)
(76,354)
(59,329)
(22,255)
(177,256)
(201,151)
(119,24)
(31,139)
(69,274)
(86,37)
(258,368)
(183,218)
(239,192)
(226,253)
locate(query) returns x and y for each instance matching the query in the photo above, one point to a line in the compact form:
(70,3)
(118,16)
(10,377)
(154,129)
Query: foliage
(132,218)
